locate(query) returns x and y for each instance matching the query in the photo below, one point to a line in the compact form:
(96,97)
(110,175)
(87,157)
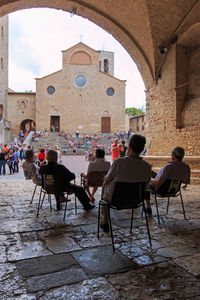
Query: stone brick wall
(162,106)
(4,131)
(21,106)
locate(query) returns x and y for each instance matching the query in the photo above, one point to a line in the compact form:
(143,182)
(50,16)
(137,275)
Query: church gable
(80,54)
(80,58)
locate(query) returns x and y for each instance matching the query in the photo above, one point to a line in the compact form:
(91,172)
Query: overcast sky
(37,36)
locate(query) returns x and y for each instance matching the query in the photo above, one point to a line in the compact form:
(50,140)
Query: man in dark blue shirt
(63,176)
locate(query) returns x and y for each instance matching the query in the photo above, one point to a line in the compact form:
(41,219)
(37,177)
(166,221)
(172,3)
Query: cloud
(37,37)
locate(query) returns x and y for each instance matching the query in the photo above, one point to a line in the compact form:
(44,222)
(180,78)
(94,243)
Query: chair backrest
(128,195)
(49,184)
(170,188)
(96,178)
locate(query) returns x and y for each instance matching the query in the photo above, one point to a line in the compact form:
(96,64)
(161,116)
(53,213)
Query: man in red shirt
(115,149)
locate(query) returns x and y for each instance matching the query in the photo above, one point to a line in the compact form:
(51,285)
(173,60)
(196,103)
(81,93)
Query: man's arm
(111,172)
(157,182)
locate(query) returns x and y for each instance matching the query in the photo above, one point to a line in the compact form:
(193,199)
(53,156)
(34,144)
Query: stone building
(163,40)
(4,124)
(83,96)
(137,124)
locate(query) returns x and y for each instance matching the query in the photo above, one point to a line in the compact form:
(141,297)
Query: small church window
(80,80)
(106,65)
(2,32)
(1,63)
(51,89)
(110,91)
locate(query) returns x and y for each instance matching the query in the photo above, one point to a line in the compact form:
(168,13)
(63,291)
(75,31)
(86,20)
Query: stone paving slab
(98,288)
(52,280)
(102,260)
(189,263)
(44,265)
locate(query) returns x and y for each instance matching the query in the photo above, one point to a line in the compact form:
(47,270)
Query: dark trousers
(16,166)
(3,166)
(78,191)
(11,167)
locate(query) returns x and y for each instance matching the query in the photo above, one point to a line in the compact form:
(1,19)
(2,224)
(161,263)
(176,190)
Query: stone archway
(107,17)
(27,125)
(150,31)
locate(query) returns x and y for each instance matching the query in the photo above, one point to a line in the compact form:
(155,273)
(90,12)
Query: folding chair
(126,196)
(169,189)
(49,188)
(94,179)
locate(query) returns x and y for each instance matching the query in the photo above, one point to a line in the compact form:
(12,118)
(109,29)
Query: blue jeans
(3,165)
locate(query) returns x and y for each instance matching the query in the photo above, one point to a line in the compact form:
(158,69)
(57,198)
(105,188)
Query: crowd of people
(11,156)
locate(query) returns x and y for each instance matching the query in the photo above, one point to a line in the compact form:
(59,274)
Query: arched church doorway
(27,125)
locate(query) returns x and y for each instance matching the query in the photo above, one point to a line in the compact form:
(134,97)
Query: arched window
(1,63)
(1,112)
(106,65)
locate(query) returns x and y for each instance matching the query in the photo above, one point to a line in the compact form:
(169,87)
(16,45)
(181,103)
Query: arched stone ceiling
(141,26)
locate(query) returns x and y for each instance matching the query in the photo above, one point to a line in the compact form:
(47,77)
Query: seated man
(31,170)
(98,165)
(130,168)
(63,177)
(175,169)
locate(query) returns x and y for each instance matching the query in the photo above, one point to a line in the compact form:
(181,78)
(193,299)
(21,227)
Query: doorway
(55,124)
(105,125)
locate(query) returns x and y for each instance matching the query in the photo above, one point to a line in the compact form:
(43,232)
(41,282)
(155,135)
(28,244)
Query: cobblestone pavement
(47,258)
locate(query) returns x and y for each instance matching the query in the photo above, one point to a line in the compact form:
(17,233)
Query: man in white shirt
(130,168)
(99,165)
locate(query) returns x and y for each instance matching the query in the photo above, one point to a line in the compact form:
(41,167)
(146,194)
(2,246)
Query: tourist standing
(16,160)
(115,148)
(11,161)
(74,150)
(123,149)
(3,161)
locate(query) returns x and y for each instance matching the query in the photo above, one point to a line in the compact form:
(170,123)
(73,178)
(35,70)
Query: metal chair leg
(50,202)
(42,200)
(75,199)
(167,206)
(99,211)
(111,231)
(39,203)
(157,210)
(65,210)
(75,205)
(33,194)
(182,205)
(147,224)
(131,221)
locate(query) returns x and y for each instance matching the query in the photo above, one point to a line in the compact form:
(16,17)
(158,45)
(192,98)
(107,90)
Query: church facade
(84,95)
